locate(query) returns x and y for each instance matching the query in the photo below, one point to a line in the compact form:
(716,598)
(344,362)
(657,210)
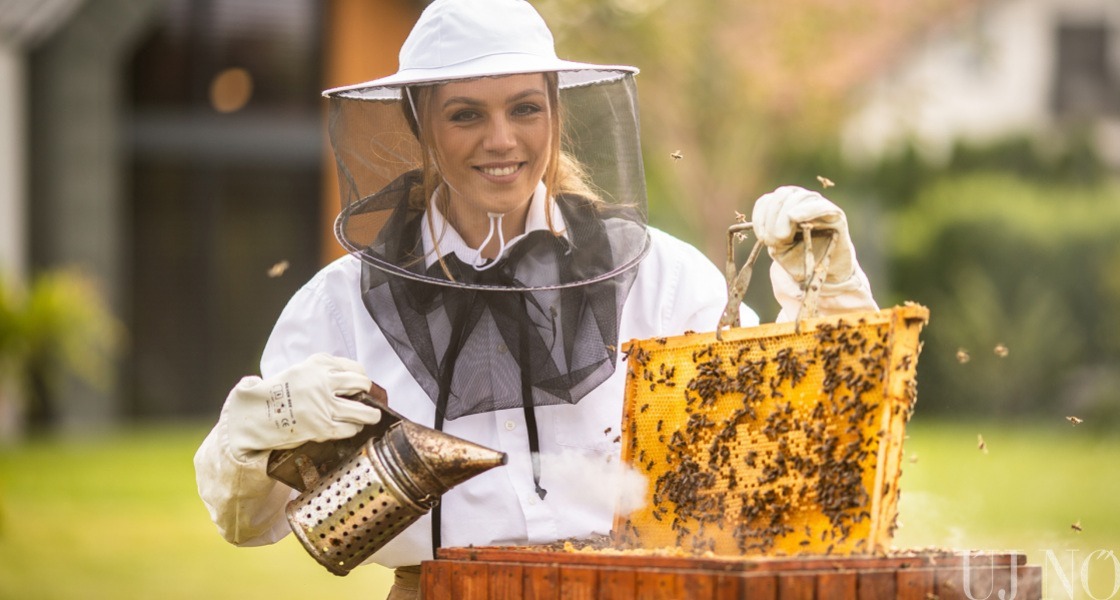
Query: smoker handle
(301,466)
(737,282)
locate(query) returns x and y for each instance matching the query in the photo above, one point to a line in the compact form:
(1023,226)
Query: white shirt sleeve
(244,502)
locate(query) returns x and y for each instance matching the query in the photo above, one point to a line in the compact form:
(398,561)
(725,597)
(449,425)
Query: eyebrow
(476,102)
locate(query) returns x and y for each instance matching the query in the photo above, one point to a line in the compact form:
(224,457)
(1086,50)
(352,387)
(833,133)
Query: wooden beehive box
(529,573)
(781,439)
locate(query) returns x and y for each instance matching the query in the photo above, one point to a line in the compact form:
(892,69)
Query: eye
(464,116)
(526,109)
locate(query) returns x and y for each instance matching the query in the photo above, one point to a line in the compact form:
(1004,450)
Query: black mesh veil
(538,327)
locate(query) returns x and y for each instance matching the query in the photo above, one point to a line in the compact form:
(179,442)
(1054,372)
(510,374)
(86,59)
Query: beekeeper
(494,208)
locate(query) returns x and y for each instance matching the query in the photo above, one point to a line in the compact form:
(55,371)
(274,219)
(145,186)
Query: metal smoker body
(359,493)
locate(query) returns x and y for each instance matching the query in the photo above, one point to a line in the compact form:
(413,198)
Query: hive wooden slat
(541,582)
(876,584)
(579,583)
(915,584)
(506,583)
(839,586)
(470,581)
(617,584)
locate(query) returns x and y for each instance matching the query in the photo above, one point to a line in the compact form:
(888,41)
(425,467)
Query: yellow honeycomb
(781,439)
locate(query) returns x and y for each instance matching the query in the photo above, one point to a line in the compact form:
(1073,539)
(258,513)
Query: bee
(607,430)
(962,356)
(980,443)
(1074,420)
(1076,526)
(278,269)
(677,155)
(825,182)
(1001,350)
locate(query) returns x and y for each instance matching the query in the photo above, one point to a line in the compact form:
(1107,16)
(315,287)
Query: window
(1087,81)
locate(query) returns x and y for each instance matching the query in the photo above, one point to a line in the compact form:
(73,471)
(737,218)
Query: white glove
(301,404)
(777,219)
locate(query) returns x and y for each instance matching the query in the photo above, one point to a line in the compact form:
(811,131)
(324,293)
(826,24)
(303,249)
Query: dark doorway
(224,176)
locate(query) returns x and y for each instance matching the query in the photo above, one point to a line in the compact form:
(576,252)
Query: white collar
(451,242)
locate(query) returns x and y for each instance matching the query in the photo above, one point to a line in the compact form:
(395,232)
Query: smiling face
(492,140)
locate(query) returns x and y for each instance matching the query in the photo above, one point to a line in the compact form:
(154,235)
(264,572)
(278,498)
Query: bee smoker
(361,492)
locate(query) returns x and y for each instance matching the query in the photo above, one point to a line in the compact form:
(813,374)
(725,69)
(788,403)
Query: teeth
(500,172)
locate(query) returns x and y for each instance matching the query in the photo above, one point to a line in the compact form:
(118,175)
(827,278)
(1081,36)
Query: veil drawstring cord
(495,223)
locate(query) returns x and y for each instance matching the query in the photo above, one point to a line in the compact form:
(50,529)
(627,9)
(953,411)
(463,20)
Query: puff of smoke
(605,481)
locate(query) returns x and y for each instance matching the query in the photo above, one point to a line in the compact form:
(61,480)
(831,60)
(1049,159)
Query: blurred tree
(730,85)
(60,326)
(1021,280)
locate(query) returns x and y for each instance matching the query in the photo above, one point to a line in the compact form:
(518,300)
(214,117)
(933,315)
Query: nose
(499,135)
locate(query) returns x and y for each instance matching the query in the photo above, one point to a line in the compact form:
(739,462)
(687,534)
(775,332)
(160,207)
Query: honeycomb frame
(781,439)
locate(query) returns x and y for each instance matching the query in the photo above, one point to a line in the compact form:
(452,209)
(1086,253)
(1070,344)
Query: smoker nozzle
(427,463)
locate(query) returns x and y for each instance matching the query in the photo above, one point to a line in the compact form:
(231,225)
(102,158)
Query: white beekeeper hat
(377,151)
(463,39)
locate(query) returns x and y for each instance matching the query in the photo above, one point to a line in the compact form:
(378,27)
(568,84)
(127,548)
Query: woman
(494,207)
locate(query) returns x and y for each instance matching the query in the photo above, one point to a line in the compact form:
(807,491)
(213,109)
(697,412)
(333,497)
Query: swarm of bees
(770,445)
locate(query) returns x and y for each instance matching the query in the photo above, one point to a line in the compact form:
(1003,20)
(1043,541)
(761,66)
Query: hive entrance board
(774,440)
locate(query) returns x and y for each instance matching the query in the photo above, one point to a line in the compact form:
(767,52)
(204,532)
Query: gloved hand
(777,219)
(301,404)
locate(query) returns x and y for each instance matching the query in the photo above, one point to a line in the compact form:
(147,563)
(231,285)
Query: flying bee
(825,182)
(1074,420)
(1001,350)
(1076,526)
(962,356)
(980,443)
(278,269)
(677,155)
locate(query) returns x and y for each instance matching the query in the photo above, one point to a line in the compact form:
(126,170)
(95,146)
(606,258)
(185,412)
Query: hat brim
(572,74)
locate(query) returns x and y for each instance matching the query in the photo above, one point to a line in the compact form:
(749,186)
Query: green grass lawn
(118,517)
(1025,493)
